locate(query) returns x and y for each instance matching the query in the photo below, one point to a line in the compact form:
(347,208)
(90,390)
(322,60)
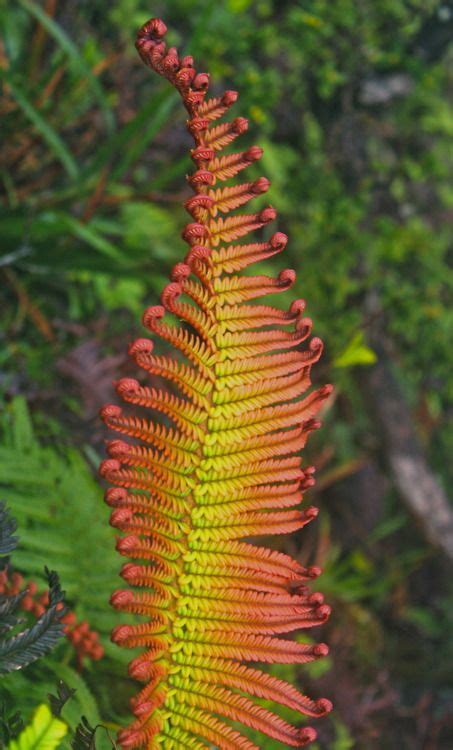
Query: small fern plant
(19,649)
(216,462)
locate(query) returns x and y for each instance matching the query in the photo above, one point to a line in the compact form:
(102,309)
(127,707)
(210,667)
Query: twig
(418,487)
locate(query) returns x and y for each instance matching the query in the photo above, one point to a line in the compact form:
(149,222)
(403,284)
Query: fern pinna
(222,463)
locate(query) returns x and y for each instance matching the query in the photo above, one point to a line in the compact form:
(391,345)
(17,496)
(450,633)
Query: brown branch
(419,489)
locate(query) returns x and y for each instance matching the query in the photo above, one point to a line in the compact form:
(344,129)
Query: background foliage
(351,102)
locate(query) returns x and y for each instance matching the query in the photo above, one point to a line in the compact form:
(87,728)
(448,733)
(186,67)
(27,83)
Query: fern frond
(58,701)
(58,507)
(84,738)
(10,725)
(8,526)
(218,462)
(30,644)
(44,732)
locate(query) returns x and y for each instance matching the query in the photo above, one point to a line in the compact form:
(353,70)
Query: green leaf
(356,353)
(93,238)
(45,732)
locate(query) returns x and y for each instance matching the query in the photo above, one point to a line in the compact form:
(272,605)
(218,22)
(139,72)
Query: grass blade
(93,238)
(45,129)
(77,61)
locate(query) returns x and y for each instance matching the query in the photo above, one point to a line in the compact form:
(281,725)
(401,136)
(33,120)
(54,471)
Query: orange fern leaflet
(218,462)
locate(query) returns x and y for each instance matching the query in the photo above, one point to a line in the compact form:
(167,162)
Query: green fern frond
(84,738)
(44,732)
(58,701)
(11,724)
(8,526)
(34,642)
(60,514)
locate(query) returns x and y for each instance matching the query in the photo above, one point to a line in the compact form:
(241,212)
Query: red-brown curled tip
(110,410)
(140,346)
(126,545)
(324,706)
(154,28)
(316,598)
(170,293)
(198,252)
(316,344)
(121,633)
(170,63)
(314,571)
(229,98)
(201,177)
(297,307)
(130,570)
(117,448)
(268,214)
(121,517)
(180,272)
(201,82)
(184,77)
(143,709)
(306,735)
(121,598)
(127,385)
(115,496)
(107,466)
(287,276)
(311,513)
(278,241)
(253,153)
(193,232)
(140,669)
(312,424)
(261,185)
(304,326)
(187,61)
(155,311)
(323,612)
(130,738)
(202,153)
(197,124)
(321,649)
(240,125)
(198,201)
(307,482)
(194,98)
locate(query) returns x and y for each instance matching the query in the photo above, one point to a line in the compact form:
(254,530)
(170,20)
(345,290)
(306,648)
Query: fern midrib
(192,500)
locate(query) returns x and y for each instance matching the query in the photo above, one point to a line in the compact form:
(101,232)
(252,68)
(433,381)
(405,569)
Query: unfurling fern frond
(23,648)
(85,736)
(20,649)
(64,694)
(11,724)
(217,461)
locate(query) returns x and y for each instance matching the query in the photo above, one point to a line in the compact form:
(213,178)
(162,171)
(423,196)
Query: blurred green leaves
(92,180)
